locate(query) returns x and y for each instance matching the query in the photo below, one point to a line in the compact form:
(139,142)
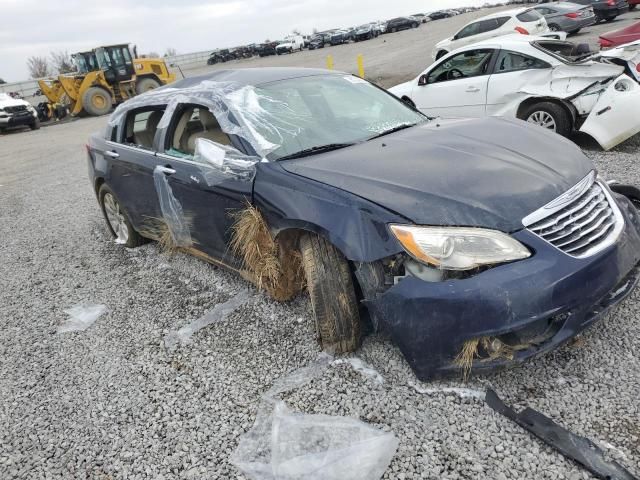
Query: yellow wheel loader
(106,76)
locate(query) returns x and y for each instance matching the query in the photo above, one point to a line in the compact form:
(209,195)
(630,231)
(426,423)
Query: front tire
(146,84)
(96,101)
(117,220)
(550,116)
(332,294)
(35,125)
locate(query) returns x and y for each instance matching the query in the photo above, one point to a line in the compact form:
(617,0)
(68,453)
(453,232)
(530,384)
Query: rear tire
(332,294)
(554,28)
(609,20)
(549,115)
(117,219)
(96,101)
(632,7)
(146,84)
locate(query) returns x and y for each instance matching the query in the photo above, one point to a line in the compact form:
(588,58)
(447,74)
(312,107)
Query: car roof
(562,5)
(250,76)
(516,42)
(504,13)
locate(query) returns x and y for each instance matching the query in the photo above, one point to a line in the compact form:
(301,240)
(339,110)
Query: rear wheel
(611,19)
(96,101)
(146,84)
(550,116)
(632,6)
(414,25)
(117,220)
(332,294)
(554,28)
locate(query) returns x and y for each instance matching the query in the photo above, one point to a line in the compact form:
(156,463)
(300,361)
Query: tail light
(638,68)
(611,3)
(521,30)
(571,15)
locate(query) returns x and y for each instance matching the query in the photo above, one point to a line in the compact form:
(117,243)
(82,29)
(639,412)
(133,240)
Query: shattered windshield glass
(313,112)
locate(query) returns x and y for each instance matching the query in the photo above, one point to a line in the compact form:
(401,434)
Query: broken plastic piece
(575,447)
(171,208)
(459,391)
(218,313)
(285,445)
(82,316)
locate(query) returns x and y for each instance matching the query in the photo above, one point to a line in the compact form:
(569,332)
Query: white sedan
(551,83)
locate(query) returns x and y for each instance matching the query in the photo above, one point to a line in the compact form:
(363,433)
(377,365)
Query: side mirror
(422,81)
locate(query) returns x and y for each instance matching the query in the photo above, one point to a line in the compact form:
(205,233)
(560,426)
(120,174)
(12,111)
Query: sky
(37,27)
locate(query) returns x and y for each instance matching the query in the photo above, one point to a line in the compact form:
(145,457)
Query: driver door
(456,87)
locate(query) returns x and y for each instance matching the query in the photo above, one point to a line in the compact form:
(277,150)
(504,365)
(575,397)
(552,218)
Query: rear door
(206,194)
(512,72)
(131,156)
(456,86)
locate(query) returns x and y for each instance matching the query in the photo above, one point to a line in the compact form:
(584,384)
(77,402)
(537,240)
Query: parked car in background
(566,16)
(547,82)
(220,56)
(339,37)
(488,231)
(422,17)
(365,32)
(318,41)
(15,113)
(267,48)
(526,21)
(292,43)
(439,15)
(606,10)
(620,37)
(401,23)
(380,26)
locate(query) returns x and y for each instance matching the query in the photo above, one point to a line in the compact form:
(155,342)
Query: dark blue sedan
(472,243)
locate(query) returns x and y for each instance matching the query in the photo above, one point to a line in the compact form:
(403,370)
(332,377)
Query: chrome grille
(581,222)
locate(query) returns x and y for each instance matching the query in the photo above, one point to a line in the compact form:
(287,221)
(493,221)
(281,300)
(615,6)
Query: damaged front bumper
(533,305)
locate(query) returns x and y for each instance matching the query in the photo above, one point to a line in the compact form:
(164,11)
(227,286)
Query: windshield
(292,116)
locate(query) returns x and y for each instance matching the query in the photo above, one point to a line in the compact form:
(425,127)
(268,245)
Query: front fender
(357,227)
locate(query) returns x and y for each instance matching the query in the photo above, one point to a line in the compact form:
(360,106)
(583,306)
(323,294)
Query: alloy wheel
(544,119)
(116,218)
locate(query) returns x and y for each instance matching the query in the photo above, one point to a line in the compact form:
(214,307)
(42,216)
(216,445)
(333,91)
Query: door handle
(166,170)
(472,90)
(112,154)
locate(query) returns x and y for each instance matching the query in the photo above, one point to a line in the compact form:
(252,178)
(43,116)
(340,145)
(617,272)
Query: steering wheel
(454,74)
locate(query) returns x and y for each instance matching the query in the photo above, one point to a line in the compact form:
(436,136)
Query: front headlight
(458,248)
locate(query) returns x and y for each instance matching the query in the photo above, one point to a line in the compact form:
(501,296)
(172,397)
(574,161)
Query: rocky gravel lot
(111,402)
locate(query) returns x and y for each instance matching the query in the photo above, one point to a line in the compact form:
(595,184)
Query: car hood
(8,101)
(487,173)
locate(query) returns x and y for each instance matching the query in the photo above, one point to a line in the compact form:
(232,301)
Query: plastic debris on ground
(286,445)
(82,316)
(459,391)
(361,367)
(218,313)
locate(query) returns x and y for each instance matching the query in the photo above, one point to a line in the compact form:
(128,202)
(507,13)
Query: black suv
(606,10)
(401,23)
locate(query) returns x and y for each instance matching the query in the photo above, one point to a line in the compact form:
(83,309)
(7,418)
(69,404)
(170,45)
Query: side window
(471,63)
(502,20)
(512,62)
(471,29)
(488,25)
(141,125)
(529,16)
(190,123)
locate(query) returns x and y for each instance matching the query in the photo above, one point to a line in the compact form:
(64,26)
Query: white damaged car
(555,84)
(15,113)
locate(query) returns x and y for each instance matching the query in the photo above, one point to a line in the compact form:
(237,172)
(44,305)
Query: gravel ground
(111,402)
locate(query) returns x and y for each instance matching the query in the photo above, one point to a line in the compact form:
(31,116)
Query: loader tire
(146,84)
(333,298)
(96,101)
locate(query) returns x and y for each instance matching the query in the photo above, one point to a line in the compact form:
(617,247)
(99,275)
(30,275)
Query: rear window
(529,16)
(565,51)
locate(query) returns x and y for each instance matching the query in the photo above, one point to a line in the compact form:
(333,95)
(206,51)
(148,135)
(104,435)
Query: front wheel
(117,220)
(414,25)
(332,294)
(550,116)
(96,101)
(35,125)
(146,84)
